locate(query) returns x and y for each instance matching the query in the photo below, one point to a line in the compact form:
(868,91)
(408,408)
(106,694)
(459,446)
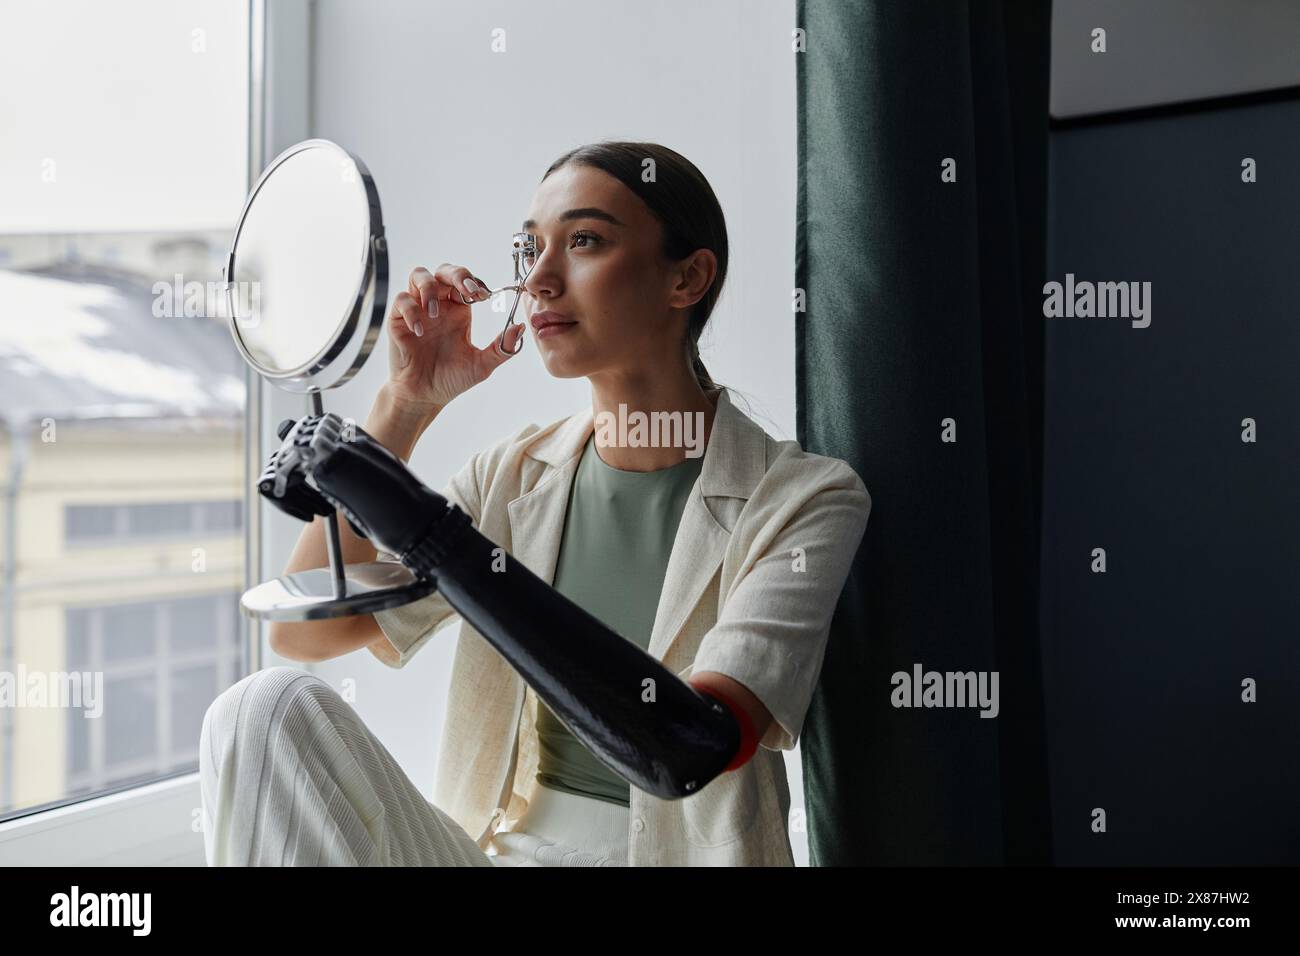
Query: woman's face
(598,266)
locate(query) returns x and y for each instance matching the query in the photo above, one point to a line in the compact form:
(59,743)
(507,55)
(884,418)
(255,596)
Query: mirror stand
(333,544)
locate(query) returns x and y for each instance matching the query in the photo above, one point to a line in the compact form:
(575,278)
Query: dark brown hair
(683,202)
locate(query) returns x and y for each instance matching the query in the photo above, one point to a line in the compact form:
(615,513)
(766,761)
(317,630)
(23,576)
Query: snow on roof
(86,344)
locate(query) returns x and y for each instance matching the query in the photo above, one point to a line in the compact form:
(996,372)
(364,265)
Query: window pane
(89,522)
(128,633)
(129,715)
(79,730)
(223,515)
(193,689)
(171,518)
(234,615)
(193,625)
(76,629)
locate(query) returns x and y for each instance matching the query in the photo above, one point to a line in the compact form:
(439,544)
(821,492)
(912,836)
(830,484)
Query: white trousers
(291,776)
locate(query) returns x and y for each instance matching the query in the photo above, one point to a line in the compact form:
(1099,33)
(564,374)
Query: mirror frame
(357,332)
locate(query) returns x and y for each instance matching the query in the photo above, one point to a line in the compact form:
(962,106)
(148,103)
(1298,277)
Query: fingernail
(433,308)
(419,328)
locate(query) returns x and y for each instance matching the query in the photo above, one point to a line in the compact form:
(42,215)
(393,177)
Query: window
(162,664)
(122,444)
(100,525)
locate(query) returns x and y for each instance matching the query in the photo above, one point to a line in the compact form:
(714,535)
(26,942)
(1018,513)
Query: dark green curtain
(924,303)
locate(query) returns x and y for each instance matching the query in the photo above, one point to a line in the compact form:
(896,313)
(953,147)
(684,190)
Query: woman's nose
(541,282)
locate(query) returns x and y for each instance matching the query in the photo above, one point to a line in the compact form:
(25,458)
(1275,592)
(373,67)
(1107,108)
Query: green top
(618,534)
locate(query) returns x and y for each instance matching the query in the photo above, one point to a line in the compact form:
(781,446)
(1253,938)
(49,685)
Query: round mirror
(306,284)
(307,275)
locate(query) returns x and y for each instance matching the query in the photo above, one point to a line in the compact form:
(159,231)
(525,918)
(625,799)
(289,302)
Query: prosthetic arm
(592,677)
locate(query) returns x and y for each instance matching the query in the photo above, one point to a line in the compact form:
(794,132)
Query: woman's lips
(554,328)
(546,324)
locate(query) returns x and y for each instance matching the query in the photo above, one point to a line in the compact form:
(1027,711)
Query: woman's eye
(592,239)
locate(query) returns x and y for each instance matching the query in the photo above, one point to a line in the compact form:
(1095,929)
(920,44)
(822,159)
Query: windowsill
(150,825)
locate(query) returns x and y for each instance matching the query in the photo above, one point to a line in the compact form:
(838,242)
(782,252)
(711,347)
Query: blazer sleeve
(772,629)
(409,627)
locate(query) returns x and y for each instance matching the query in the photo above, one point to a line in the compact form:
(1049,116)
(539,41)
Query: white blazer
(765,543)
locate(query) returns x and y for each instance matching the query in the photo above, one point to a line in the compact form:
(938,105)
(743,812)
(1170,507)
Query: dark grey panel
(1170,51)
(1143,457)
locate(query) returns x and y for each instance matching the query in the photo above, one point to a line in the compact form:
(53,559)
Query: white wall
(458,136)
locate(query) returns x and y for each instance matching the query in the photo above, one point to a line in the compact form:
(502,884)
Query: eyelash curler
(524,252)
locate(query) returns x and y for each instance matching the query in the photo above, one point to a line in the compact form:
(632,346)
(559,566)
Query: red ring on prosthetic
(748,735)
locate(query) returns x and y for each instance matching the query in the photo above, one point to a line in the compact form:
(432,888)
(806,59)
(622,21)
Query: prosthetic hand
(590,676)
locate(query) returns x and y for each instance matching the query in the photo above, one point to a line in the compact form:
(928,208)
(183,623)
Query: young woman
(725,565)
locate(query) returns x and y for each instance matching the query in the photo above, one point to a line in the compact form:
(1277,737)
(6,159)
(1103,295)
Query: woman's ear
(694,275)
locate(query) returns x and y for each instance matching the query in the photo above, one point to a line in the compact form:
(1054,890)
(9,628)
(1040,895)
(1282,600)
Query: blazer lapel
(734,462)
(697,552)
(537,516)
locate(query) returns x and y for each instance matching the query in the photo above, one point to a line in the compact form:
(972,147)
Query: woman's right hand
(429,367)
